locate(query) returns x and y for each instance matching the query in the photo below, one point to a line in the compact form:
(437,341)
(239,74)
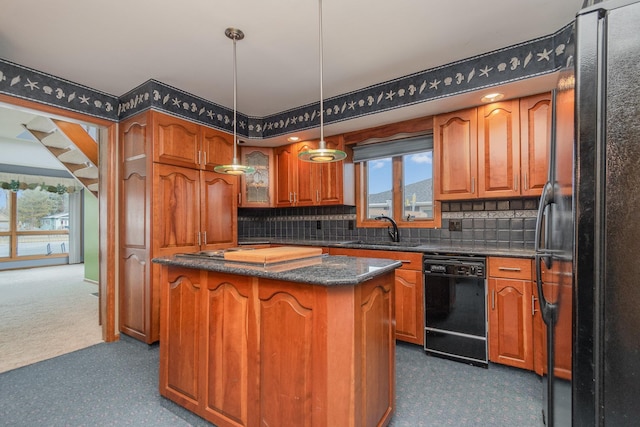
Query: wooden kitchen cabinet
(559,291)
(535,137)
(285,163)
(302,183)
(167,206)
(499,150)
(455,139)
(257,189)
(182,143)
(242,350)
(510,307)
(408,289)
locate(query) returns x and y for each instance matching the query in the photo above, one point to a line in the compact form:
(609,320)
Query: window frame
(397,191)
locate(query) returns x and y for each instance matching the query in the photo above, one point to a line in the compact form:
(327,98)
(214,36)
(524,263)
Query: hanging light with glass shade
(322,154)
(235,168)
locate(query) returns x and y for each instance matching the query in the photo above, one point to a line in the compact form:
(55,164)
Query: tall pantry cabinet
(171,202)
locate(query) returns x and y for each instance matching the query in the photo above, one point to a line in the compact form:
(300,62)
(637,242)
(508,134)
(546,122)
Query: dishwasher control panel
(454,266)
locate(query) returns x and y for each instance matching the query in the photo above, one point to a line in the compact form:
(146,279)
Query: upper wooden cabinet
(300,183)
(455,139)
(494,151)
(535,135)
(499,149)
(257,189)
(182,143)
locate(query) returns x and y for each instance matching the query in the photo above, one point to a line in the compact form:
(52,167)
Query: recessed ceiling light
(492,97)
(293,139)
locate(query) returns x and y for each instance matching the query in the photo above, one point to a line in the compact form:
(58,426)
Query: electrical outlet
(455,225)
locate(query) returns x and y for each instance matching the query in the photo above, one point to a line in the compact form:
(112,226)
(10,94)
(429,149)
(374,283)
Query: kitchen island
(306,342)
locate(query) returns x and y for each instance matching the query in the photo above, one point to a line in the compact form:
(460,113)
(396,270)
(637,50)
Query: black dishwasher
(455,298)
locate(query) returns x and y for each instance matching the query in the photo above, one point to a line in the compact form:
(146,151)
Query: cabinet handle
(199,157)
(493,299)
(295,197)
(317,195)
(290,197)
(198,238)
(526,182)
(204,238)
(473,185)
(515,183)
(239,199)
(405,261)
(509,268)
(533,305)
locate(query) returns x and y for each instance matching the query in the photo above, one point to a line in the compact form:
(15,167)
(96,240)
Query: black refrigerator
(588,237)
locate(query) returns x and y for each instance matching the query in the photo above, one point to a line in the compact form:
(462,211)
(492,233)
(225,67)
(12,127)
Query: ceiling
(117,45)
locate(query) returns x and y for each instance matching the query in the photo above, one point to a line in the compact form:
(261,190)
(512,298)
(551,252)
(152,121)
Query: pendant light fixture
(234,168)
(322,154)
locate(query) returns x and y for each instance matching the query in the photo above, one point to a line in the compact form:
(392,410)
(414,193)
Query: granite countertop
(427,248)
(321,270)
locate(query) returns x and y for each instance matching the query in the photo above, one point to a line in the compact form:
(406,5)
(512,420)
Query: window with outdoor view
(396,180)
(33,223)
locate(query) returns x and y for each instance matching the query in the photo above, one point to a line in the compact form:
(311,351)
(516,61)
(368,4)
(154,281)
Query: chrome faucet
(395,235)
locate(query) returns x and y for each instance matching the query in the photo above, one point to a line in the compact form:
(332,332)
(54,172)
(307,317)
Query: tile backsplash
(503,224)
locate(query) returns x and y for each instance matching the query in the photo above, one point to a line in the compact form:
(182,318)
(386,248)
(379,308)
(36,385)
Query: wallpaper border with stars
(525,60)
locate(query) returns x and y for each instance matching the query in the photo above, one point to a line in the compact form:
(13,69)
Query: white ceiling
(114,46)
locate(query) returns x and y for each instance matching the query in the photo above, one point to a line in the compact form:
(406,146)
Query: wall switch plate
(455,225)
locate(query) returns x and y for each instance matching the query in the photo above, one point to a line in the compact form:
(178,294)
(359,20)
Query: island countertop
(323,270)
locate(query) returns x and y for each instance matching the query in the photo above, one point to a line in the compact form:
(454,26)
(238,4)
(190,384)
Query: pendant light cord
(235,90)
(322,143)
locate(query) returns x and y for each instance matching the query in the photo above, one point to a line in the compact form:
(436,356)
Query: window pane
(379,186)
(5,209)
(5,242)
(45,244)
(417,190)
(42,210)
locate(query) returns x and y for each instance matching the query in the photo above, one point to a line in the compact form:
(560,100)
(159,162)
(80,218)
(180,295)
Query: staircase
(74,148)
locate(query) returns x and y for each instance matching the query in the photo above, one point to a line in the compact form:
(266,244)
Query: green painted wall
(91,237)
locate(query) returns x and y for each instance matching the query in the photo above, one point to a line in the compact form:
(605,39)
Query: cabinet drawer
(511,268)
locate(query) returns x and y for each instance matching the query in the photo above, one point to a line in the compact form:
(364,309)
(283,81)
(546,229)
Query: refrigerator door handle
(547,309)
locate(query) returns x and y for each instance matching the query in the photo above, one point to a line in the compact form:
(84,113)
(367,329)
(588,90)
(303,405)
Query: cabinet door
(181,313)
(218,210)
(409,307)
(331,191)
(556,290)
(176,142)
(285,175)
(257,188)
(176,213)
(216,148)
(535,137)
(455,146)
(510,322)
(499,149)
(307,191)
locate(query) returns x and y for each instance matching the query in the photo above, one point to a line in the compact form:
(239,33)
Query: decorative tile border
(533,58)
(26,83)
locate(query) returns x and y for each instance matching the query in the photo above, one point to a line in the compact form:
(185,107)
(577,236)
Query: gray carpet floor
(117,385)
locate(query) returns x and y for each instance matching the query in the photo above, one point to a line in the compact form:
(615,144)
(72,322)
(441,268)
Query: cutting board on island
(272,255)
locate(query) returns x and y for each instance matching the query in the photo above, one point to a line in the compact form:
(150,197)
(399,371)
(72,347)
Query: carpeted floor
(117,385)
(45,312)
